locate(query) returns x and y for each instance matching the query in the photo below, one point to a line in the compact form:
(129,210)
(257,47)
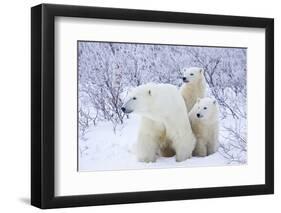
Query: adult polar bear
(164,120)
(194,86)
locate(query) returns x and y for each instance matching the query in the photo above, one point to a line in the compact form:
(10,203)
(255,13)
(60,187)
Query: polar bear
(164,121)
(194,85)
(204,121)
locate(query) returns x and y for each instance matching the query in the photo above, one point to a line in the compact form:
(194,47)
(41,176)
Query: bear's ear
(149,92)
(201,70)
(214,101)
(198,100)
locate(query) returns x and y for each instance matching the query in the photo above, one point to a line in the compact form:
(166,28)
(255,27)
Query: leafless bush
(85,120)
(234,144)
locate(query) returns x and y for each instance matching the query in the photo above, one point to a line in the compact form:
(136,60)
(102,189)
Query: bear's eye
(134,98)
(205,108)
(191,74)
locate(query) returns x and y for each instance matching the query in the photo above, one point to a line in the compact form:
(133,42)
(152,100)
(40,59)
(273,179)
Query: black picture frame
(43,102)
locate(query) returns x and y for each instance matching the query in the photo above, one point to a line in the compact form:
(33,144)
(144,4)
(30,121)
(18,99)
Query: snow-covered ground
(102,149)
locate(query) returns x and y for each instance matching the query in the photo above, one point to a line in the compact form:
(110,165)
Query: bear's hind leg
(166,149)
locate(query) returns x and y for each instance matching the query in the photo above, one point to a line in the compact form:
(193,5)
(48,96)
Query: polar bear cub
(194,85)
(204,121)
(164,118)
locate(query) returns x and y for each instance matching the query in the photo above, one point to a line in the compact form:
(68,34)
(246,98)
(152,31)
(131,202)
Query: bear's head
(192,74)
(205,109)
(139,100)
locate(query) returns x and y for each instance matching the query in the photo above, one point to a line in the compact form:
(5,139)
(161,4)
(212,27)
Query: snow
(103,150)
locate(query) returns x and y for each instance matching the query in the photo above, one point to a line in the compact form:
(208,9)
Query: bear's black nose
(198,115)
(184,78)
(123,109)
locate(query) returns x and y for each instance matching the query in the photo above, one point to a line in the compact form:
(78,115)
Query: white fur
(154,140)
(164,120)
(193,87)
(205,127)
